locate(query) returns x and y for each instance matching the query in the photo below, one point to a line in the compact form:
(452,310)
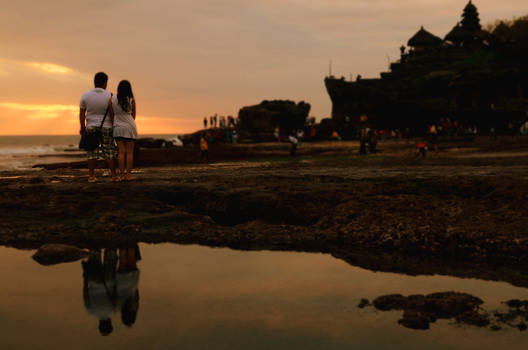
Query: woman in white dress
(125,132)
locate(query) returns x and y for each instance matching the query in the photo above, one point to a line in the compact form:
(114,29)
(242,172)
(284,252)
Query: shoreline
(390,211)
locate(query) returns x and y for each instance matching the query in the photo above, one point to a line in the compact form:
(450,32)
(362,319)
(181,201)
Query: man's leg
(91,167)
(109,151)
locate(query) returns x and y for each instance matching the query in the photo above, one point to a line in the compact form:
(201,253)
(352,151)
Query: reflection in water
(195,297)
(110,285)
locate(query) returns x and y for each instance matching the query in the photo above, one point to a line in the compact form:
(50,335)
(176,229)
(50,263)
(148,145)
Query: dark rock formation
(51,254)
(420,310)
(259,121)
(364,303)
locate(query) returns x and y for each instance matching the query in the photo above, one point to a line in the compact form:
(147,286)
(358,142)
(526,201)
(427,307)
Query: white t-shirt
(95,102)
(99,303)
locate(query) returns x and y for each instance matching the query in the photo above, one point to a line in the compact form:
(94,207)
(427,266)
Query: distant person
(276,134)
(312,133)
(205,122)
(493,134)
(293,140)
(336,136)
(125,132)
(300,136)
(211,119)
(95,104)
(204,147)
(434,137)
(363,139)
(372,140)
(421,149)
(511,129)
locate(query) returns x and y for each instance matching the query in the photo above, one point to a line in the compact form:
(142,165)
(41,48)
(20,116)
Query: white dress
(124,123)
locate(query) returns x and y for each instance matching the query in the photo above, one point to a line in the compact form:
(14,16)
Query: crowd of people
(220,121)
(113,116)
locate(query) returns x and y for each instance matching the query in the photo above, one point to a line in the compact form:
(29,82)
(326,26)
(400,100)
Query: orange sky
(187,59)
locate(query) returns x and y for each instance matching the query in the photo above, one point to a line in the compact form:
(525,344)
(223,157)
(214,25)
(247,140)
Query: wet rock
(364,303)
(390,302)
(36,180)
(516,303)
(416,319)
(522,326)
(420,310)
(495,327)
(473,318)
(51,254)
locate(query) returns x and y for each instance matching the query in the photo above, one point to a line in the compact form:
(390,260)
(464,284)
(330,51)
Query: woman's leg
(129,158)
(121,150)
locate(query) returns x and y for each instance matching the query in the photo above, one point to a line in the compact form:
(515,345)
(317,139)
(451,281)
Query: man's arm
(82,119)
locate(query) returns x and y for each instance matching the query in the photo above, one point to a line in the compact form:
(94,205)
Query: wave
(31,150)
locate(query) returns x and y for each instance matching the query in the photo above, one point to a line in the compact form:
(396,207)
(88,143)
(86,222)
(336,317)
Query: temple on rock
(477,77)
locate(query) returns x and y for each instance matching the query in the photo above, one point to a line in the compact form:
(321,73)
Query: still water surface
(193,297)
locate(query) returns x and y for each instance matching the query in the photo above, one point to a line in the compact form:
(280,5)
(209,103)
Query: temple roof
(470,6)
(457,34)
(424,38)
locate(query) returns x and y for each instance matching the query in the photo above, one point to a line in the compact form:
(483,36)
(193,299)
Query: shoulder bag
(92,140)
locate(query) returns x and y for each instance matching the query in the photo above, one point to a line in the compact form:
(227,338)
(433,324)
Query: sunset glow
(49,68)
(189,59)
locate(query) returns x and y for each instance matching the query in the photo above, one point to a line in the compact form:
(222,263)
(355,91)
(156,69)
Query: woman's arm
(134,109)
(111,110)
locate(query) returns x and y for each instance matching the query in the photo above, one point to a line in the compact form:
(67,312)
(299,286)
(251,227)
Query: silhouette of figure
(99,287)
(127,284)
(109,288)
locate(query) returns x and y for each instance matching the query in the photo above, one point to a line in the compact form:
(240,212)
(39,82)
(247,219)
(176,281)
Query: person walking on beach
(125,132)
(205,122)
(95,104)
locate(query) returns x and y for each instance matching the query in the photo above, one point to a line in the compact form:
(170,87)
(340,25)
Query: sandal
(129,177)
(92,179)
(115,179)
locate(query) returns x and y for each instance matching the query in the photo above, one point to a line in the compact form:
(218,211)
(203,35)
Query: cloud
(49,67)
(40,111)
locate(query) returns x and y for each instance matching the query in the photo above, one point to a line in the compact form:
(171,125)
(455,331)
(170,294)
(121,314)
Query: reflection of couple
(111,285)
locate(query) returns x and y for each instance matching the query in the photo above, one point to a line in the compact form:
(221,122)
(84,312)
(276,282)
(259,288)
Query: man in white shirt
(93,107)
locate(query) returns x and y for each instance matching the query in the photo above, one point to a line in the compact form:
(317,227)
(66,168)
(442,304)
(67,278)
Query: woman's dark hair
(124,94)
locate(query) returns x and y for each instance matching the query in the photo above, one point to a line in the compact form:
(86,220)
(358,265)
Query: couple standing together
(115,115)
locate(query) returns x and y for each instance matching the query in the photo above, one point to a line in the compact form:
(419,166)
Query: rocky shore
(460,212)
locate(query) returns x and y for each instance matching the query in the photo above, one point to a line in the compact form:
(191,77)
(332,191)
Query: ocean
(23,152)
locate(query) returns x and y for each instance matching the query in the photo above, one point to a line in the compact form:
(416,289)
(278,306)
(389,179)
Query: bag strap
(107,109)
